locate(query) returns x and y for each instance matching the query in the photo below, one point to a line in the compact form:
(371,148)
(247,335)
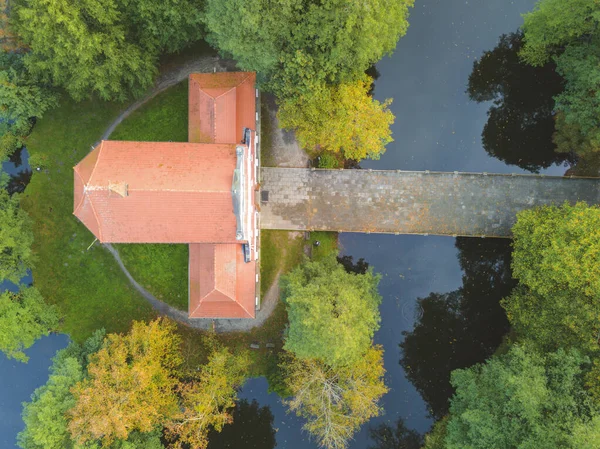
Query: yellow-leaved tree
(336,401)
(130,386)
(207,399)
(341,118)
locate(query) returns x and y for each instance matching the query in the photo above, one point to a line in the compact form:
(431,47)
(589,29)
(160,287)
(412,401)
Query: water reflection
(18,171)
(520,122)
(252,428)
(462,327)
(360,267)
(386,437)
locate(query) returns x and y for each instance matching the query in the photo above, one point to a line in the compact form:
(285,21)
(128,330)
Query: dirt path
(284,151)
(269,301)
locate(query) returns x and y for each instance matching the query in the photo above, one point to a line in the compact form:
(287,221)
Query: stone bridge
(408,202)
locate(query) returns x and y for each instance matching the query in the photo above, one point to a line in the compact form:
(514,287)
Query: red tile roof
(174,192)
(221,284)
(221,105)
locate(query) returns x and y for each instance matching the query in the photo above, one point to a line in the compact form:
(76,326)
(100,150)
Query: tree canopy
(45,416)
(333,314)
(206,401)
(336,401)
(522,400)
(140,366)
(568,32)
(16,238)
(24,317)
(21,97)
(295,44)
(340,119)
(555,259)
(104,47)
(557,248)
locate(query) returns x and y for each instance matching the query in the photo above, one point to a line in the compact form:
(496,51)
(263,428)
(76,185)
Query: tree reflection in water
(459,328)
(252,428)
(521,121)
(386,437)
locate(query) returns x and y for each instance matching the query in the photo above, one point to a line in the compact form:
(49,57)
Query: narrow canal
(440,306)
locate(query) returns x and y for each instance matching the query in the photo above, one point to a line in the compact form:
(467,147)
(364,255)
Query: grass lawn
(162,119)
(86,285)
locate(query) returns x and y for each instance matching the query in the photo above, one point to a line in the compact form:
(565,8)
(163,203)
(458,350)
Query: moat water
(440,306)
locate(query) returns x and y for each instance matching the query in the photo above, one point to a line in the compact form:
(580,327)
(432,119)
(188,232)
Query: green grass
(86,285)
(162,119)
(160,269)
(328,244)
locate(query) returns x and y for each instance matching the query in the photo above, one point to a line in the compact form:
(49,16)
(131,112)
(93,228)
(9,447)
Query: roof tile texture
(221,284)
(176,192)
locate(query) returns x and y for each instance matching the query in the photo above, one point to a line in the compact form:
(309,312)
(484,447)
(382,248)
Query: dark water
(440,306)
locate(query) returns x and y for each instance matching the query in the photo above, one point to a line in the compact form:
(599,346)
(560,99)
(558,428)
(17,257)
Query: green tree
(333,314)
(340,119)
(21,97)
(83,47)
(568,33)
(140,366)
(295,43)
(556,260)
(16,238)
(206,400)
(44,417)
(557,248)
(556,23)
(24,317)
(336,401)
(521,400)
(436,437)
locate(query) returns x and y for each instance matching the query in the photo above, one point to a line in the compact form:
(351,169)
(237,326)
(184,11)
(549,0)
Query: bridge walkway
(408,202)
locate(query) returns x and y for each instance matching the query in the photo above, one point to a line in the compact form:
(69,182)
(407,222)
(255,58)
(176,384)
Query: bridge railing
(434,172)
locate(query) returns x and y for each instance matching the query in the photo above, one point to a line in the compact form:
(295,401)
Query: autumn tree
(16,238)
(206,400)
(130,386)
(340,119)
(24,317)
(336,401)
(45,416)
(568,33)
(333,314)
(523,399)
